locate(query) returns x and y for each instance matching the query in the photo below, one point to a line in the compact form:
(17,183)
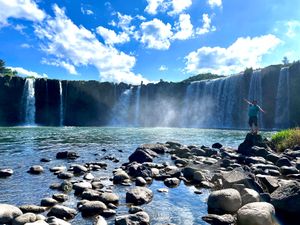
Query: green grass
(286,139)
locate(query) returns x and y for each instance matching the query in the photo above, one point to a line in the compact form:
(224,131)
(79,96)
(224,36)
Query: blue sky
(146,40)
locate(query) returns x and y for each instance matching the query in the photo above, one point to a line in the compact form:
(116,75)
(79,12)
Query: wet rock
(250,141)
(6,173)
(25,218)
(92,195)
(36,169)
(217,145)
(134,209)
(287,170)
(249,195)
(82,186)
(139,195)
(32,209)
(62,212)
(140,181)
(133,219)
(139,170)
(172,182)
(97,185)
(236,176)
(60,197)
(142,155)
(157,148)
(108,213)
(188,172)
(172,144)
(66,186)
(198,177)
(270,183)
(45,160)
(8,213)
(256,213)
(120,176)
(39,222)
(214,219)
(79,169)
(88,176)
(52,220)
(67,155)
(224,201)
(57,169)
(48,202)
(108,197)
(286,198)
(283,162)
(65,175)
(163,190)
(91,208)
(183,152)
(99,220)
(272,157)
(181,162)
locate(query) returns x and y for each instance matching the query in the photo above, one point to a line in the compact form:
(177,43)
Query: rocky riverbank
(252,185)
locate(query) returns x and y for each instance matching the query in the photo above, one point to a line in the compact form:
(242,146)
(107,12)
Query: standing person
(253,113)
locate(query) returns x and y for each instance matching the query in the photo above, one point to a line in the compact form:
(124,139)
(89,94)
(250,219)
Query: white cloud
(293,28)
(155,34)
(76,46)
(86,11)
(27,73)
(184,28)
(163,68)
(206,27)
(25,45)
(214,3)
(244,52)
(110,37)
(60,63)
(172,6)
(20,9)
(180,5)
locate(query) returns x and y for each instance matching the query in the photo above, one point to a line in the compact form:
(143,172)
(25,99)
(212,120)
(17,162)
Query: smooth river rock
(6,173)
(139,195)
(8,213)
(224,201)
(25,218)
(91,208)
(62,212)
(133,219)
(256,213)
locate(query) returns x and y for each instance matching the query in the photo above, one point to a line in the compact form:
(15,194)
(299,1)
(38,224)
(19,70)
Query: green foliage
(205,76)
(248,71)
(286,139)
(6,71)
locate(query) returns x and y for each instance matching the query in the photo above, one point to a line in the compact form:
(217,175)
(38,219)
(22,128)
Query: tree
(2,66)
(6,71)
(285,61)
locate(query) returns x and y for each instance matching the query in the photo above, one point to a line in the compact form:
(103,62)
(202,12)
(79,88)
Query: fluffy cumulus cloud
(206,27)
(215,3)
(20,9)
(183,27)
(72,46)
(111,37)
(244,52)
(155,34)
(27,73)
(172,6)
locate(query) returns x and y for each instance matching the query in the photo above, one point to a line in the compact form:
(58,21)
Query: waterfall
(28,102)
(120,111)
(137,106)
(282,112)
(61,105)
(255,93)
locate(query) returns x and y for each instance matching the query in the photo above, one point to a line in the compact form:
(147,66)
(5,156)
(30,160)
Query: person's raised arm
(247,101)
(261,109)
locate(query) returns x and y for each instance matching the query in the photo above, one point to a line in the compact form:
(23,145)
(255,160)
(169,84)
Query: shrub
(286,139)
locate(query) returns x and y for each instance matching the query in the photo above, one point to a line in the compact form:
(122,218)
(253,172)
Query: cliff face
(91,103)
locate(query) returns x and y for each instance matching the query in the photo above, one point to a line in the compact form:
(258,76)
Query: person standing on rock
(253,111)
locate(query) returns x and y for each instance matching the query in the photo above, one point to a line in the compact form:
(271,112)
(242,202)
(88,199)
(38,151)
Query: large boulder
(8,213)
(224,201)
(91,208)
(141,155)
(286,198)
(256,213)
(25,218)
(139,195)
(251,140)
(249,195)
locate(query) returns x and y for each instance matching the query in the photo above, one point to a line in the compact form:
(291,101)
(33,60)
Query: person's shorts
(252,120)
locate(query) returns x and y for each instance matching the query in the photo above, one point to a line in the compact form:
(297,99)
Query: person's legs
(255,125)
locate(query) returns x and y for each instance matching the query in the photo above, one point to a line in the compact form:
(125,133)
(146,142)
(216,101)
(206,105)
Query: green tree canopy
(6,71)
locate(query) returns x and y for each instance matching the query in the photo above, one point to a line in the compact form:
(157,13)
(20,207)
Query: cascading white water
(137,106)
(29,102)
(121,109)
(282,112)
(255,93)
(61,105)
